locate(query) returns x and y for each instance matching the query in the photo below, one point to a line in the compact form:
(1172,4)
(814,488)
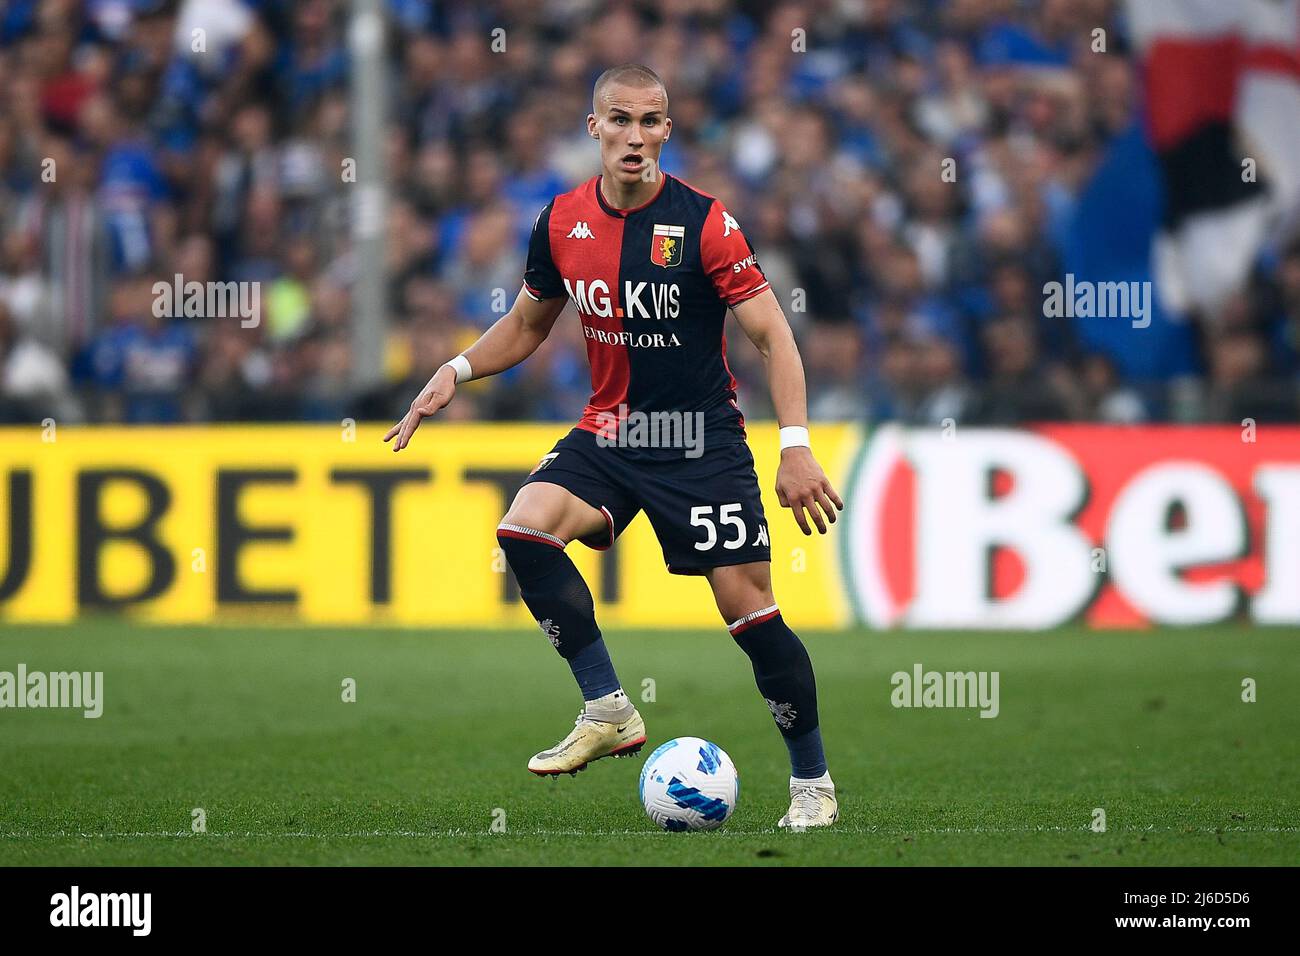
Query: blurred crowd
(910,174)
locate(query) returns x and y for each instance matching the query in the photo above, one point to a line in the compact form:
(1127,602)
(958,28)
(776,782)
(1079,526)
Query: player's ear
(668,127)
(591,126)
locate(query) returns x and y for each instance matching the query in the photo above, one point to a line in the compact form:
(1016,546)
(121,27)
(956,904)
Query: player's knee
(529,515)
(742,590)
(744,603)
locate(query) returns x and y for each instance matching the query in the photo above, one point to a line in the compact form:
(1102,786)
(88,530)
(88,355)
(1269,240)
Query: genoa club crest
(666,246)
(546,460)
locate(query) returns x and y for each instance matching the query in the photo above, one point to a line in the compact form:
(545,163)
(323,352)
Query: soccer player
(652,266)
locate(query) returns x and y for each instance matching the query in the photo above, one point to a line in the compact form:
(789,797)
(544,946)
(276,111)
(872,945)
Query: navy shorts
(706,511)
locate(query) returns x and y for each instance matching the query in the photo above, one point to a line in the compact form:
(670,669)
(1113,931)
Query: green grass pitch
(249,725)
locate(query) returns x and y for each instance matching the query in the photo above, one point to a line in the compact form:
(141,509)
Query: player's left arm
(732,267)
(801,484)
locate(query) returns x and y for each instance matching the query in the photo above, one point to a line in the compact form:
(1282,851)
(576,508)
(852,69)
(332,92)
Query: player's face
(632,127)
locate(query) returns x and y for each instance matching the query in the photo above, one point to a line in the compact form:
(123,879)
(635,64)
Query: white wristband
(460,365)
(794,436)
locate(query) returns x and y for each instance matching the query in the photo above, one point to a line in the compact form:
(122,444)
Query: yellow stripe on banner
(221,523)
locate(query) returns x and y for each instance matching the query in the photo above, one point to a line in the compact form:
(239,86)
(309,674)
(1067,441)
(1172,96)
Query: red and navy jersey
(652,286)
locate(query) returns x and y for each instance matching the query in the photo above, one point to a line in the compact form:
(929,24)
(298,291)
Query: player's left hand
(801,486)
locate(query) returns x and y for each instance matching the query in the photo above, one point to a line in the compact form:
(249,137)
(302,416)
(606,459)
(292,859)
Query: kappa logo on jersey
(581,231)
(728,224)
(666,245)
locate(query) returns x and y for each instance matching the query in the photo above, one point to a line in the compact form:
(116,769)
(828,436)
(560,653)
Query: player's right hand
(435,396)
(801,486)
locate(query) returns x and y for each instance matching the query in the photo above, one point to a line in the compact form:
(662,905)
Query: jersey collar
(624,213)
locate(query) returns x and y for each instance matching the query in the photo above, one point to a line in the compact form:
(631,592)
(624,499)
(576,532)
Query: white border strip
(520,529)
(750,616)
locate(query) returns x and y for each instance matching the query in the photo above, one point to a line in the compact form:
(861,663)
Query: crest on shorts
(546,460)
(666,245)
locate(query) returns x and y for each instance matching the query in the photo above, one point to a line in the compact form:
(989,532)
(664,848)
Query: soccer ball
(689,784)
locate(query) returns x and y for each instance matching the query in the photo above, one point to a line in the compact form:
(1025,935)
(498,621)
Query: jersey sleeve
(541,277)
(728,258)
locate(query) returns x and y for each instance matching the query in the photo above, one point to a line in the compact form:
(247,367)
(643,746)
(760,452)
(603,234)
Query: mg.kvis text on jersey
(640,300)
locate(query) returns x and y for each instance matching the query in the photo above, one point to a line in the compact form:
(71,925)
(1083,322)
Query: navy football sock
(561,603)
(784,676)
(807,758)
(594,670)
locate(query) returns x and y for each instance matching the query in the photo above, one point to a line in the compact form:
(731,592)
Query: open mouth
(632,161)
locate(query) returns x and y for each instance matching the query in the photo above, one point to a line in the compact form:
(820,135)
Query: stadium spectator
(1021,387)
(1241,385)
(1106,398)
(910,178)
(140,366)
(33,381)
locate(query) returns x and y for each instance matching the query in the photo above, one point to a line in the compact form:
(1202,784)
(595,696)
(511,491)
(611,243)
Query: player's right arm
(510,340)
(514,337)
